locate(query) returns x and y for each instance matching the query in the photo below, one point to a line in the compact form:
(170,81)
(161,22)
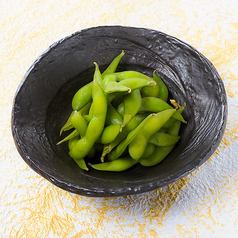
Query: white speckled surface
(204,204)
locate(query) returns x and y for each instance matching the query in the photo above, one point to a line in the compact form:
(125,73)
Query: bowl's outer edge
(139,188)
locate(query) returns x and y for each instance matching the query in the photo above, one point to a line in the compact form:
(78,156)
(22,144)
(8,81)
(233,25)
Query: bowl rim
(144,186)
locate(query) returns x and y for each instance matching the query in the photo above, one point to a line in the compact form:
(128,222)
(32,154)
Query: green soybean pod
(118,151)
(84,110)
(134,74)
(115,87)
(72,135)
(82,97)
(71,143)
(113,65)
(149,150)
(174,129)
(161,152)
(118,165)
(109,147)
(131,74)
(136,83)
(134,122)
(67,126)
(169,123)
(164,139)
(87,118)
(152,104)
(163,90)
(110,84)
(127,85)
(113,116)
(121,108)
(79,122)
(110,133)
(84,94)
(96,124)
(132,103)
(150,91)
(139,143)
(81,163)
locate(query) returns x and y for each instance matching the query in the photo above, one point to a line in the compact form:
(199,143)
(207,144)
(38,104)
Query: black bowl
(42,104)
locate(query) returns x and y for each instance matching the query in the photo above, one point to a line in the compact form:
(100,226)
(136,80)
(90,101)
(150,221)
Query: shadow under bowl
(43,103)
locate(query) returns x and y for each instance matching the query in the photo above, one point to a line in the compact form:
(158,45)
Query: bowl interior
(43,103)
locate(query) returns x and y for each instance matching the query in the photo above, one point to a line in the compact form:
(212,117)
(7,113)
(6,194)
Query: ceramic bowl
(43,102)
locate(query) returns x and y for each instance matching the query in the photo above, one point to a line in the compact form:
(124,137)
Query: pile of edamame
(124,117)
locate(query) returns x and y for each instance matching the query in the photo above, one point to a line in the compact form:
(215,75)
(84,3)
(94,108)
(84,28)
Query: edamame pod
(82,97)
(84,94)
(152,104)
(121,108)
(164,139)
(117,152)
(161,152)
(110,133)
(118,165)
(113,65)
(72,135)
(71,143)
(84,110)
(67,126)
(150,91)
(169,123)
(113,116)
(109,147)
(134,122)
(132,103)
(79,123)
(138,144)
(81,163)
(150,148)
(127,85)
(163,90)
(96,125)
(131,74)
(87,118)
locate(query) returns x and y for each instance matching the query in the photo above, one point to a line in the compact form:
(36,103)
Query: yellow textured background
(201,205)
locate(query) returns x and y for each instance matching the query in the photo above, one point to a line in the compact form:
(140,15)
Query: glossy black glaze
(42,104)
